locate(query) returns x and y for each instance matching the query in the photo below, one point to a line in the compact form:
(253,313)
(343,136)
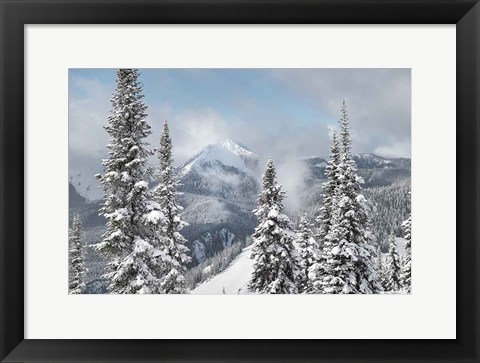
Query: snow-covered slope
(233,280)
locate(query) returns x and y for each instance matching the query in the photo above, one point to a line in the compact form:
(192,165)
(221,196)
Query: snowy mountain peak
(236,148)
(226,152)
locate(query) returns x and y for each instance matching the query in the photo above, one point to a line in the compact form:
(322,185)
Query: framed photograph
(239,181)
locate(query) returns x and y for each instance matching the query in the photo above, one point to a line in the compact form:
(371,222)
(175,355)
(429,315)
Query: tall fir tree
(317,272)
(336,273)
(128,243)
(172,243)
(318,275)
(309,252)
(76,254)
(392,269)
(406,274)
(276,268)
(329,187)
(354,213)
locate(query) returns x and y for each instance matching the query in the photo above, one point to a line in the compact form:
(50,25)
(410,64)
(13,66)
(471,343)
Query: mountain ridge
(218,190)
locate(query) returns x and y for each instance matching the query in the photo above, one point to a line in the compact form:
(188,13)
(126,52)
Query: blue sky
(279,113)
(235,93)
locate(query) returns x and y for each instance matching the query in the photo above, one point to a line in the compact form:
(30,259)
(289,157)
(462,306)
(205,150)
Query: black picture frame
(15,14)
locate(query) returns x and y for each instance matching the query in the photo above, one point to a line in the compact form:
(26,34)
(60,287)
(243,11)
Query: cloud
(190,130)
(378,100)
(88,110)
(292,174)
(396,150)
(89,107)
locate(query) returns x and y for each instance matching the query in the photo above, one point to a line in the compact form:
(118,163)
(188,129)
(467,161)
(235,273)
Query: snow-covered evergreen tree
(316,271)
(76,265)
(354,213)
(336,270)
(329,187)
(309,252)
(392,269)
(347,262)
(406,274)
(276,261)
(128,243)
(171,241)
